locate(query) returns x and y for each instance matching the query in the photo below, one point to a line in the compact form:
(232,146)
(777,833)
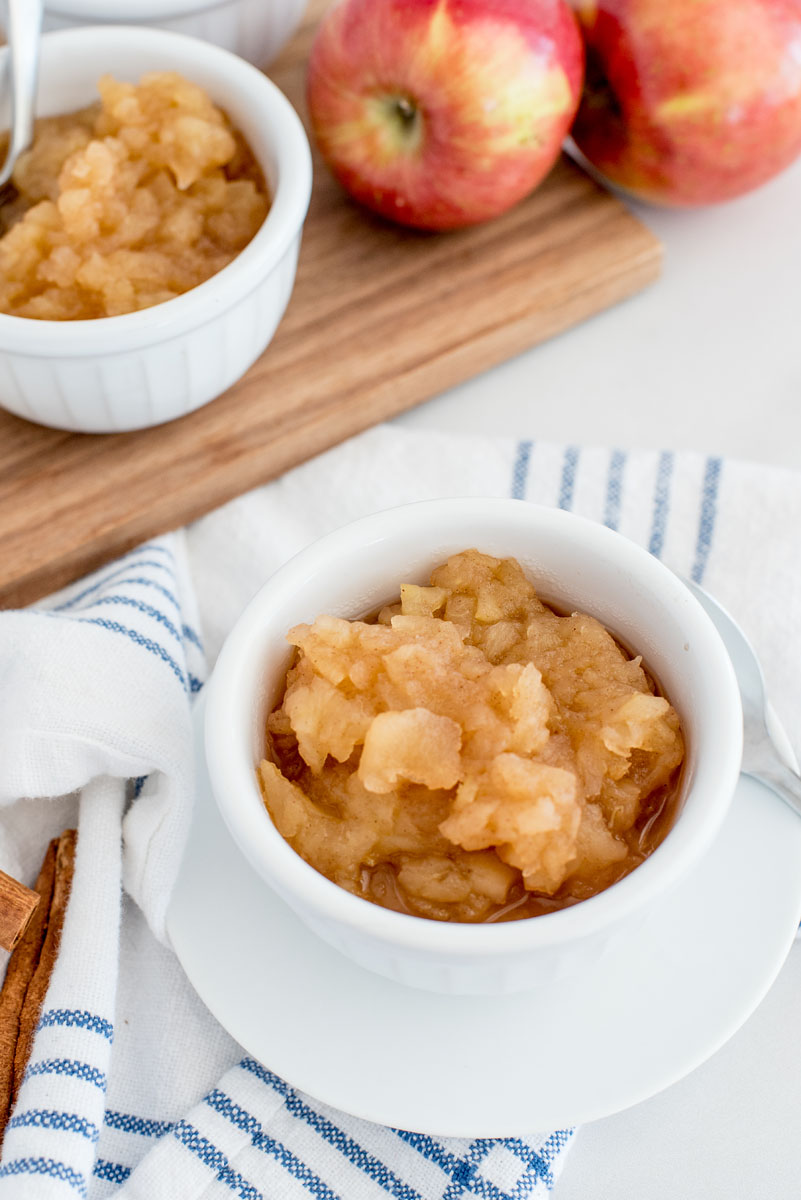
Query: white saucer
(665,997)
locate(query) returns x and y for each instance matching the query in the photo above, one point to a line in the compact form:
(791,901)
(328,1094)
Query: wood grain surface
(380,320)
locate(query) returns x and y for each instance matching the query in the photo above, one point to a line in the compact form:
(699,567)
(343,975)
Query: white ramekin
(144,368)
(254,29)
(575,564)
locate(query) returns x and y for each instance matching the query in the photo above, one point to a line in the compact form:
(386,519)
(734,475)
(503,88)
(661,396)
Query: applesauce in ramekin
(471,754)
(127,203)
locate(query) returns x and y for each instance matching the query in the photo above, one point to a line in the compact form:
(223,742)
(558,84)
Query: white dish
(665,997)
(144,368)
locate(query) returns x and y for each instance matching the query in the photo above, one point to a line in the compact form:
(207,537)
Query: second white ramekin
(148,367)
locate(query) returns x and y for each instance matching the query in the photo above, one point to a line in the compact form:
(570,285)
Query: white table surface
(708,358)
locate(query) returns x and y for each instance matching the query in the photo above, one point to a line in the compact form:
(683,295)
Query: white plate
(664,998)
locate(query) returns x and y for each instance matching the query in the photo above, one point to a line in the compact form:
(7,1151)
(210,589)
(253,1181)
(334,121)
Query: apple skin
(690,102)
(442,113)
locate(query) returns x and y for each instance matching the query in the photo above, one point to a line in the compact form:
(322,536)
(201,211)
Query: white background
(708,358)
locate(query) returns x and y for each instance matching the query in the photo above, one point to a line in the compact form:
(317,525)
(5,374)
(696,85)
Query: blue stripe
(614,489)
(191,636)
(151,548)
(556,1143)
(568,480)
(50,1118)
(76,1018)
(243,1120)
(535,1161)
(336,1137)
(463,1171)
(195,684)
(706,522)
(520,470)
(664,472)
(128,1123)
(94,587)
(213,1158)
(146,609)
(186,633)
(538,1162)
(45,1166)
(535,1173)
(466,1175)
(112,1171)
(458,1168)
(138,784)
(139,640)
(143,581)
(434,1151)
(68,1066)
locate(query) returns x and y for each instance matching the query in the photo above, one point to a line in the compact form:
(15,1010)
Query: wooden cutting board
(380,320)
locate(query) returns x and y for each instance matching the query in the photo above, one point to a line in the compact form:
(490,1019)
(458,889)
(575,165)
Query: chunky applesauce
(471,754)
(127,203)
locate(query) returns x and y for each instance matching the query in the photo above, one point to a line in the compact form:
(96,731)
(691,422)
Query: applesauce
(471,754)
(127,203)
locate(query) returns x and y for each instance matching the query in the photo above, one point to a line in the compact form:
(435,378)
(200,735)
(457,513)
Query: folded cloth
(132,1088)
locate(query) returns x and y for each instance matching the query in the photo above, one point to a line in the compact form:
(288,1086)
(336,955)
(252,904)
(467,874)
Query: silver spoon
(23,29)
(761,757)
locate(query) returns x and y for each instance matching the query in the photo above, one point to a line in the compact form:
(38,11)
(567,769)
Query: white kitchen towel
(100,684)
(133,1089)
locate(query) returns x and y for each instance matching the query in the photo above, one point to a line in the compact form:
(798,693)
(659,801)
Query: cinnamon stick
(16,909)
(21,966)
(30,967)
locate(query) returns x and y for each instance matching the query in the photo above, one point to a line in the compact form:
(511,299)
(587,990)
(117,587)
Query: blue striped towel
(133,1089)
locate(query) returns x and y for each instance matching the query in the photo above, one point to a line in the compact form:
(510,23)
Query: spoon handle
(24,20)
(780,779)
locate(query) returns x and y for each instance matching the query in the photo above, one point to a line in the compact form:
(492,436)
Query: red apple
(443,113)
(690,102)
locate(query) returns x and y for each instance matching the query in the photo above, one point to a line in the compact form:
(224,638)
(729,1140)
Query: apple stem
(406,110)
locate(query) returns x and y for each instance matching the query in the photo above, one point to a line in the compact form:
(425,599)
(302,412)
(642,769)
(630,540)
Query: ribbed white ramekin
(254,29)
(575,564)
(144,368)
